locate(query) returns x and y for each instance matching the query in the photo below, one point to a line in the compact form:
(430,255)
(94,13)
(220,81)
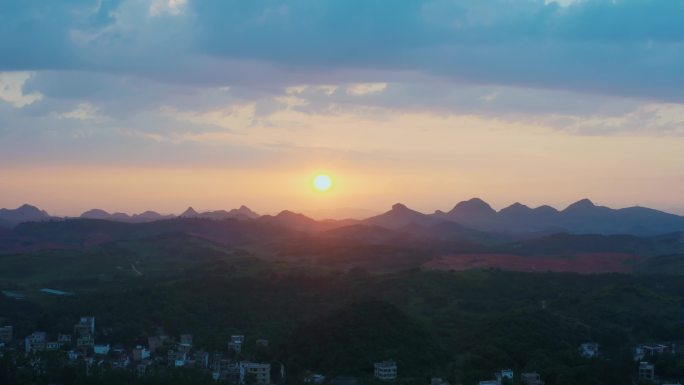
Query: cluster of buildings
(644,351)
(646,370)
(160,351)
(163,351)
(387,371)
(6,334)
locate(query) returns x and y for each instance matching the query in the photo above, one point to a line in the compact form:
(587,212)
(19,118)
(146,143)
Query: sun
(322,182)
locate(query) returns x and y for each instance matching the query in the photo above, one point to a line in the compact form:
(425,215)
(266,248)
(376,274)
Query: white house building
(386,370)
(261,372)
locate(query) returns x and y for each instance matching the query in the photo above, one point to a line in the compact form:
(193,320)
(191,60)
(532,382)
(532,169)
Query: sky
(130,105)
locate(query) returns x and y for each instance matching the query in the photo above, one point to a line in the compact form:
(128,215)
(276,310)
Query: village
(163,351)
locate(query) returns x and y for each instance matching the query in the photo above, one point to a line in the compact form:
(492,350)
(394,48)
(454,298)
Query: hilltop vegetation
(337,300)
(461,326)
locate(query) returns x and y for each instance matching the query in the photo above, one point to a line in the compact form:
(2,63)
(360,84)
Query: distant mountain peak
(95,214)
(399,207)
(246,211)
(472,206)
(291,214)
(518,206)
(546,208)
(581,204)
(400,216)
(27,208)
(149,212)
(24,213)
(515,208)
(189,212)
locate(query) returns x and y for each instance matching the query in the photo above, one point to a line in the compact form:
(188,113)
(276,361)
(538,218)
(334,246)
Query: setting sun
(322,182)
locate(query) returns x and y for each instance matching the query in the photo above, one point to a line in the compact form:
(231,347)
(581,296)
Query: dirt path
(136,270)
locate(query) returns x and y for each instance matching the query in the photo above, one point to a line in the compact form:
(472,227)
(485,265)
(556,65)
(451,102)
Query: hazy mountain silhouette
(81,232)
(96,214)
(519,220)
(24,213)
(243,212)
(400,216)
(147,216)
(474,209)
(189,213)
(291,220)
(582,216)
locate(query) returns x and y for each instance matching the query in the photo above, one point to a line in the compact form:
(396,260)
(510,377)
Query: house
(235,343)
(237,338)
(185,342)
(532,378)
(85,341)
(53,345)
(589,349)
(6,334)
(101,349)
(386,370)
(200,359)
(176,358)
(227,370)
(504,374)
(64,338)
(86,325)
(650,350)
(260,371)
(140,353)
(35,342)
(646,371)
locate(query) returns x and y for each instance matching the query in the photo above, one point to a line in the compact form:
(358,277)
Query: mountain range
(581,217)
(147,216)
(243,212)
(24,213)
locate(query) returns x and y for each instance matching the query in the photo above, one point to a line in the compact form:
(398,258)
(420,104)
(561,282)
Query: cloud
(649,119)
(12,89)
(84,112)
(172,7)
(628,47)
(365,88)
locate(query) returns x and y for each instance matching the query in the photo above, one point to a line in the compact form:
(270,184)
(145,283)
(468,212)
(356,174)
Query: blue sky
(426,102)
